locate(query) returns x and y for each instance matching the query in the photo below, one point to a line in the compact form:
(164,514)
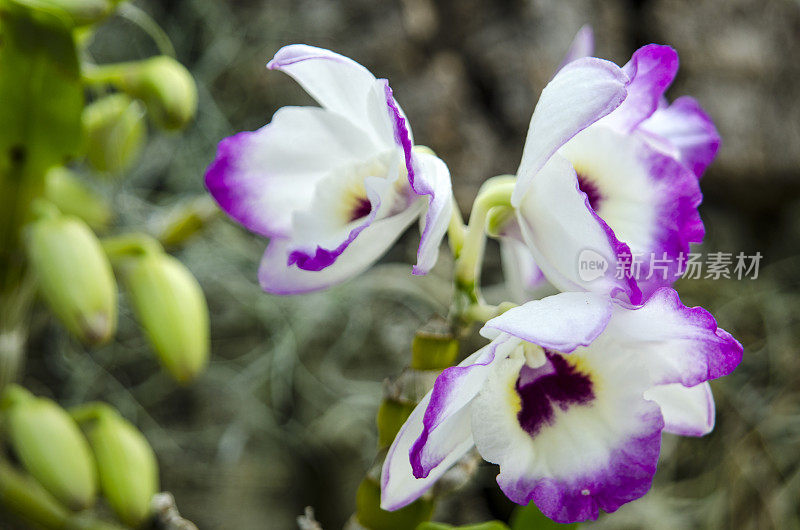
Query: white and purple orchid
(333,187)
(615,184)
(569,399)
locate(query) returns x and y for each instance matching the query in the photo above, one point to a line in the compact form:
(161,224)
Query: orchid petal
(686,411)
(432,179)
(680,344)
(582,46)
(521,273)
(560,322)
(338,83)
(563,233)
(687,127)
(275,277)
(399,486)
(445,423)
(261,178)
(584,456)
(580,94)
(651,70)
(647,198)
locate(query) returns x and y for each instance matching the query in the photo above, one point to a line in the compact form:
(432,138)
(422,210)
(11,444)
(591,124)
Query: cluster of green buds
(74,275)
(67,121)
(68,455)
(57,211)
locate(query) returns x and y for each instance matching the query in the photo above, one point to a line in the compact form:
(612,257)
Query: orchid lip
(592,191)
(555,384)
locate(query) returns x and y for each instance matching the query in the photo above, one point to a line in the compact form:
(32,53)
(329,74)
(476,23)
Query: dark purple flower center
(360,209)
(591,190)
(555,384)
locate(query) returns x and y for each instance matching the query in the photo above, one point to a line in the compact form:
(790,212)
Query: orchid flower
(570,399)
(332,187)
(621,187)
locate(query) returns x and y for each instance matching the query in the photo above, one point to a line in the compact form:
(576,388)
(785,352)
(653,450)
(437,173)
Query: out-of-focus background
(284,416)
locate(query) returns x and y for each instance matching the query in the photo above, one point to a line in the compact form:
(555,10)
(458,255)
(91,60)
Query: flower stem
(129,245)
(455,231)
(495,192)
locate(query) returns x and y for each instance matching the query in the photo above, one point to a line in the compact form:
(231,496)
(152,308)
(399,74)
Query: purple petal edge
(651,70)
(295,53)
(631,289)
(679,219)
(420,186)
(323,257)
(697,140)
(434,413)
(723,353)
(229,197)
(627,477)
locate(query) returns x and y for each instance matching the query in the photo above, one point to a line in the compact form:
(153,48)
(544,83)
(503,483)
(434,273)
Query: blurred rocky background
(283,418)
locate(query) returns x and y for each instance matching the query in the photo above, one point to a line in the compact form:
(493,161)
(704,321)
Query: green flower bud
(433,348)
(51,447)
(64,189)
(115,132)
(171,308)
(74,276)
(164,84)
(392,414)
(81,12)
(125,461)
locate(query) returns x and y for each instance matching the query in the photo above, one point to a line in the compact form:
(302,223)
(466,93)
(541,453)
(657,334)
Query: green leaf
(40,87)
(531,518)
(491,525)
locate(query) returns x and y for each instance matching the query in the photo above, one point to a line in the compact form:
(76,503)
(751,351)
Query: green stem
(106,74)
(455,231)
(495,192)
(149,26)
(124,246)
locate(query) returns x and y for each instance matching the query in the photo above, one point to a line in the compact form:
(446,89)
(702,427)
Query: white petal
(679,344)
(648,199)
(399,487)
(276,277)
(687,411)
(432,178)
(338,83)
(629,195)
(581,93)
(561,322)
(261,178)
(520,271)
(572,246)
(445,424)
(587,456)
(439,430)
